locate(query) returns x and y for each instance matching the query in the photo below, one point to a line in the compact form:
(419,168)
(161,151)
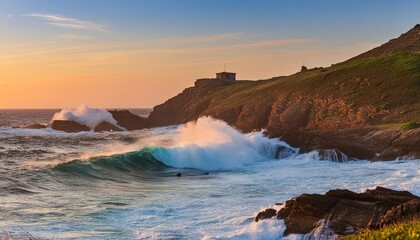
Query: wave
(211,144)
(90,117)
(131,162)
(206,144)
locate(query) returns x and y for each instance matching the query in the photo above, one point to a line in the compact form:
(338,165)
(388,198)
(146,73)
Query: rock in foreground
(344,212)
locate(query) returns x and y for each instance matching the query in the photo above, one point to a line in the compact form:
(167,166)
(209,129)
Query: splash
(90,117)
(211,144)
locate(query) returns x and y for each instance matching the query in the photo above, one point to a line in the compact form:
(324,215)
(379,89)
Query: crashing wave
(333,155)
(205,144)
(90,117)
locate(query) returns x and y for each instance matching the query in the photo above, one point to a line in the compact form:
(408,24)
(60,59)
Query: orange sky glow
(111,54)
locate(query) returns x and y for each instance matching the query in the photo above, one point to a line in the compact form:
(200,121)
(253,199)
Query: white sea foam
(211,144)
(90,117)
(267,229)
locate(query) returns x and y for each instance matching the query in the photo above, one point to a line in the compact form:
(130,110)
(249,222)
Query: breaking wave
(90,117)
(206,144)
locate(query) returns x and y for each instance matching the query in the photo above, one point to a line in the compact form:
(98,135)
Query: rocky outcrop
(186,106)
(344,212)
(266,214)
(392,144)
(125,120)
(107,127)
(36,126)
(68,126)
(128,120)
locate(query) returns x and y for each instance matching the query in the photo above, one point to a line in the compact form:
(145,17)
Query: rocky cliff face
(285,113)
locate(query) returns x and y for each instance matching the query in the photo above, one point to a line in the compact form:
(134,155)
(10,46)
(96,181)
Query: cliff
(377,90)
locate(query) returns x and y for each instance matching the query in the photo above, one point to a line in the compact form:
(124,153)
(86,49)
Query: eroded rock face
(344,143)
(395,144)
(128,120)
(107,127)
(345,212)
(266,214)
(68,126)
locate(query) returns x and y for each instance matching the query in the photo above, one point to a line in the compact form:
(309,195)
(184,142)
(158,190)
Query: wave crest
(90,117)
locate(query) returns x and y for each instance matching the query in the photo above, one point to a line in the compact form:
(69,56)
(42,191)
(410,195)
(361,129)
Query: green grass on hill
(406,231)
(390,83)
(410,125)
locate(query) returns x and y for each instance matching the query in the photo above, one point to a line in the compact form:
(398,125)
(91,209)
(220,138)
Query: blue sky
(324,19)
(63,42)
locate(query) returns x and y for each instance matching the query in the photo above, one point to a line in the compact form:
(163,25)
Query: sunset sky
(60,53)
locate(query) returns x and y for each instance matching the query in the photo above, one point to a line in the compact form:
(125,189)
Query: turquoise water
(124,185)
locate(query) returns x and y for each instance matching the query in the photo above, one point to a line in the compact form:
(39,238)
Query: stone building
(221,79)
(226,76)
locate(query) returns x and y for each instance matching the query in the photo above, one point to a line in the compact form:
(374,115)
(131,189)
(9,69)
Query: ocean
(124,185)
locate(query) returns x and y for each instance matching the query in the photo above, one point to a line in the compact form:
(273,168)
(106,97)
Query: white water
(90,117)
(244,178)
(211,144)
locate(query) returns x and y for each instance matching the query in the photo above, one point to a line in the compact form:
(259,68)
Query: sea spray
(212,144)
(205,144)
(90,117)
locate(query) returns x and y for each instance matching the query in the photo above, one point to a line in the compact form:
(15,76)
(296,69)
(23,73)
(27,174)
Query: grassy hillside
(378,88)
(404,231)
(390,83)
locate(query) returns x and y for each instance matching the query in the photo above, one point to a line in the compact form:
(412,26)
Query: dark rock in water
(128,120)
(267,213)
(332,155)
(345,212)
(284,152)
(107,127)
(36,126)
(68,126)
(179,174)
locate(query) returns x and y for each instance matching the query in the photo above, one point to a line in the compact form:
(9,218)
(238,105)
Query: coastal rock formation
(128,120)
(125,119)
(345,212)
(266,214)
(36,126)
(68,126)
(107,127)
(392,144)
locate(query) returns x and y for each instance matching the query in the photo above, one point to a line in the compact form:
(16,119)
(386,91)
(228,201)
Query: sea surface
(56,185)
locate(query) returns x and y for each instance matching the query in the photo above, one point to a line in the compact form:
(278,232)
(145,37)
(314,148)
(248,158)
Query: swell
(102,167)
